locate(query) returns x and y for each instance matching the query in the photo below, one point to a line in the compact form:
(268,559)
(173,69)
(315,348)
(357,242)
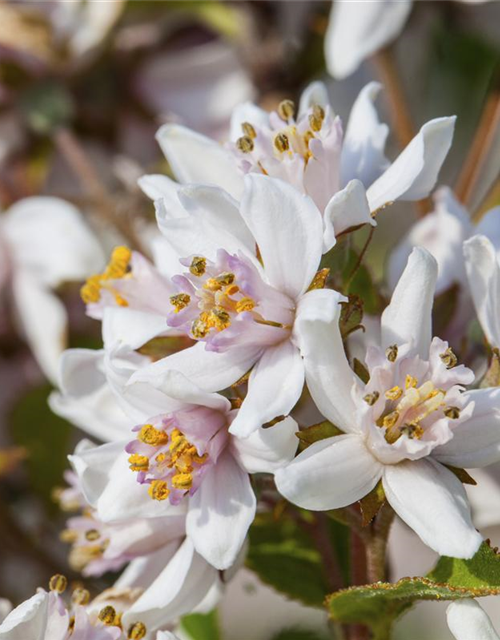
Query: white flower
(483,272)
(182,455)
(410,420)
(467,621)
(357,30)
(44,242)
(348,177)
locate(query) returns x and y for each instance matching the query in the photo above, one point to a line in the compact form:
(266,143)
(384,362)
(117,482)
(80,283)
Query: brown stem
(320,534)
(376,550)
(491,199)
(360,259)
(481,146)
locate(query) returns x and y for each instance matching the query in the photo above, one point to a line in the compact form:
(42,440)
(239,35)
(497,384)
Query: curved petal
(28,620)
(287,227)
(467,621)
(274,388)
(414,173)
(158,186)
(328,374)
(43,320)
(315,93)
(330,474)
(476,442)
(49,238)
(267,450)
(220,512)
(483,272)
(143,571)
(122,326)
(432,501)
(196,158)
(408,316)
(358,29)
(363,155)
(347,208)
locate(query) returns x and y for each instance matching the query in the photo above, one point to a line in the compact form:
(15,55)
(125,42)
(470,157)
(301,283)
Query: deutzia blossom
(348,177)
(483,272)
(410,420)
(181,456)
(43,243)
(467,621)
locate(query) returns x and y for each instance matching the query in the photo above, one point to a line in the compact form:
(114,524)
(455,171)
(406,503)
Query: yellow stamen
(200,327)
(220,318)
(68,535)
(248,130)
(138,462)
(391,353)
(245,144)
(80,596)
(390,420)
(180,301)
(158,490)
(149,435)
(136,631)
(58,583)
(410,382)
(394,394)
(107,615)
(91,290)
(118,267)
(198,266)
(92,534)
(286,109)
(452,412)
(371,398)
(448,358)
(281,142)
(182,481)
(245,304)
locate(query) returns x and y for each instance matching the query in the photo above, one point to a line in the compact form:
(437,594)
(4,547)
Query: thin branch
(360,259)
(491,199)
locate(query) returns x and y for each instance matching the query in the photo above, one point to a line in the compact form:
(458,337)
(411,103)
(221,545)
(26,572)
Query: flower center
(117,268)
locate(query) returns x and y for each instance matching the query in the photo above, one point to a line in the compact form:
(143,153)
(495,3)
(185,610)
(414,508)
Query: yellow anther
(231,290)
(119,264)
(158,490)
(222,280)
(149,435)
(281,142)
(220,318)
(138,462)
(182,481)
(118,267)
(161,457)
(120,300)
(390,420)
(184,464)
(391,353)
(412,430)
(68,535)
(80,596)
(394,394)
(58,583)
(452,412)
(178,443)
(318,112)
(91,290)
(198,266)
(245,144)
(448,358)
(286,109)
(92,535)
(410,382)
(371,398)
(200,327)
(200,459)
(136,631)
(245,304)
(315,123)
(248,130)
(107,615)
(180,301)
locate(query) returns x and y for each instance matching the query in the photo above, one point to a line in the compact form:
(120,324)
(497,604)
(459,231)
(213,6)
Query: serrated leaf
(316,432)
(371,504)
(378,605)
(201,626)
(361,371)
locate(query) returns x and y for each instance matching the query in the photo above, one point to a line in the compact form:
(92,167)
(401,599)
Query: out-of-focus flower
(403,426)
(44,242)
(349,178)
(483,271)
(359,28)
(467,621)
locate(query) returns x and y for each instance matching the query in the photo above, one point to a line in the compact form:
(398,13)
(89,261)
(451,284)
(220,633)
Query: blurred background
(84,86)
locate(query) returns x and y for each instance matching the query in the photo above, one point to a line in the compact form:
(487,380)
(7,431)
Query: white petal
(347,208)
(158,186)
(432,501)
(196,158)
(28,621)
(50,239)
(143,571)
(408,316)
(476,442)
(247,112)
(86,399)
(467,621)
(358,29)
(363,155)
(287,227)
(315,93)
(43,320)
(415,171)
(221,512)
(131,327)
(483,272)
(328,374)
(330,474)
(274,388)
(267,450)
(209,370)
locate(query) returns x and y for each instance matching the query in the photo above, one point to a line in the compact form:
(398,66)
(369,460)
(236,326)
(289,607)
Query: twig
(491,199)
(360,259)
(376,550)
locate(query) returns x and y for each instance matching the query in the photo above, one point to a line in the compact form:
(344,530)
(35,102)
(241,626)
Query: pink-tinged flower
(404,426)
(357,30)
(483,272)
(44,242)
(467,621)
(348,177)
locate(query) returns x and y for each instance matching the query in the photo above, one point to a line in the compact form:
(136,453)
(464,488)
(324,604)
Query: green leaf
(283,554)
(201,626)
(351,315)
(298,634)
(378,605)
(371,504)
(46,106)
(361,371)
(45,438)
(317,432)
